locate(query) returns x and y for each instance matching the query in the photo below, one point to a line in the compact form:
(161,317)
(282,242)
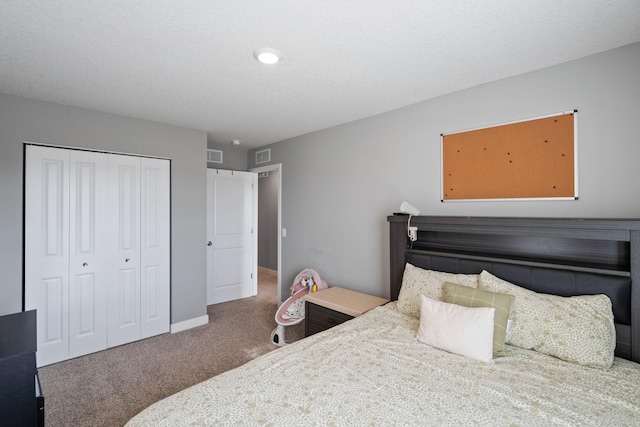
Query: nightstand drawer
(319,318)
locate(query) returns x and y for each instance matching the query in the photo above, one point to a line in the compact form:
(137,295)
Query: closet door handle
(127,260)
(84,264)
(209,243)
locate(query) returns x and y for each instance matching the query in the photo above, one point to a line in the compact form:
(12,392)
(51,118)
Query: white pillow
(577,329)
(419,281)
(467,331)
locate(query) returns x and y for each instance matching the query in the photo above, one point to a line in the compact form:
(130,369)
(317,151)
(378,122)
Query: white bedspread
(372,371)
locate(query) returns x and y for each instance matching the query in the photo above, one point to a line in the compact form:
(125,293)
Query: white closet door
(124,284)
(47,249)
(154,242)
(88,252)
(97,249)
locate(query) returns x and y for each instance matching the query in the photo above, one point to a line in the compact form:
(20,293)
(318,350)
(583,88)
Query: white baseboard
(188,324)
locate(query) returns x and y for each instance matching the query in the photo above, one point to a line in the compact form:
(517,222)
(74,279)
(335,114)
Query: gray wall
(35,121)
(233,158)
(340,184)
(268,220)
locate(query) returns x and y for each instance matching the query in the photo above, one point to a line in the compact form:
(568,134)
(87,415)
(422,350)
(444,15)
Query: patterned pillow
(418,281)
(467,331)
(577,329)
(470,297)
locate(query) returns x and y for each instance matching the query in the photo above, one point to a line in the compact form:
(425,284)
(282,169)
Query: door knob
(84,264)
(209,243)
(127,260)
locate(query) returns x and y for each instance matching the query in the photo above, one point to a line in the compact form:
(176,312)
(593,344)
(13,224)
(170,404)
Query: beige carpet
(109,387)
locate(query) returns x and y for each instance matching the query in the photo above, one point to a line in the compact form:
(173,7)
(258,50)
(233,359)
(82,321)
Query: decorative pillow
(470,297)
(577,329)
(457,329)
(418,281)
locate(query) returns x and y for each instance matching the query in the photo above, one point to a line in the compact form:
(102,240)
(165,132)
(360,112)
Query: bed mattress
(372,371)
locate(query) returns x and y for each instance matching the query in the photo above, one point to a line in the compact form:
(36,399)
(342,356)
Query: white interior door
(155,243)
(231,235)
(124,285)
(46,273)
(88,252)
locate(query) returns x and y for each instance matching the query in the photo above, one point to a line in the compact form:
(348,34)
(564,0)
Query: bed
(372,370)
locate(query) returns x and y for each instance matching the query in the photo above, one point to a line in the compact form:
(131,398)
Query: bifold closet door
(138,196)
(155,241)
(88,256)
(124,223)
(97,249)
(65,247)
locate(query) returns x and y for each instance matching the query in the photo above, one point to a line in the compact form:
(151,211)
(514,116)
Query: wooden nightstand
(333,306)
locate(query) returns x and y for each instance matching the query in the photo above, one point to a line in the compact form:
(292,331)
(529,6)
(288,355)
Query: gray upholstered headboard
(550,255)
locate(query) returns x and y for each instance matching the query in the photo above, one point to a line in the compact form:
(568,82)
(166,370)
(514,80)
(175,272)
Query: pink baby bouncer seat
(291,312)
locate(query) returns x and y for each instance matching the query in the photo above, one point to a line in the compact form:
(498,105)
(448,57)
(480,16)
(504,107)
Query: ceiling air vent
(263,156)
(214,156)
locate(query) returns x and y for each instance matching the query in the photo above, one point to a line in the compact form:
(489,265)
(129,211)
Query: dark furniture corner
(21,400)
(335,305)
(320,318)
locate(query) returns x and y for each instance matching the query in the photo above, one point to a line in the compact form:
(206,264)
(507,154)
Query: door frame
(271,168)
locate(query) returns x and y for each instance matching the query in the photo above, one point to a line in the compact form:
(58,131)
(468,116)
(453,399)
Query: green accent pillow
(471,297)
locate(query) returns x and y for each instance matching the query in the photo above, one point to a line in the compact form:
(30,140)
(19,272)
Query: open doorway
(270,222)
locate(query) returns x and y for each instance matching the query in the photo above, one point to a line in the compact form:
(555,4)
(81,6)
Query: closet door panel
(47,249)
(88,242)
(127,310)
(52,319)
(124,288)
(154,242)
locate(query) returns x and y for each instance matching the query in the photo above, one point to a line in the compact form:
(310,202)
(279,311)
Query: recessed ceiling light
(268,56)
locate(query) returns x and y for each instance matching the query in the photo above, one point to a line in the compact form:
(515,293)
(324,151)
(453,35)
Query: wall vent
(263,156)
(214,156)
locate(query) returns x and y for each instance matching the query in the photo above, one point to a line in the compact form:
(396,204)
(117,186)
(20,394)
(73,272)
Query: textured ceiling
(190,63)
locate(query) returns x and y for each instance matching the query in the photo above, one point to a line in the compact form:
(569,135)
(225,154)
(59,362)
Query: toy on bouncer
(291,312)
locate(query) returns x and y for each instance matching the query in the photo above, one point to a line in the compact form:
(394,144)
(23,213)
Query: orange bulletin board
(532,159)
